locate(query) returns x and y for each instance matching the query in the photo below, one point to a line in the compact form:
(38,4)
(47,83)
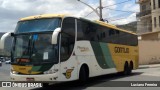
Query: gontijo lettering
(121,50)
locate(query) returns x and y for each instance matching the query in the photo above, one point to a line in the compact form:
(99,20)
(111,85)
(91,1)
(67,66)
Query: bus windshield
(38,25)
(34,49)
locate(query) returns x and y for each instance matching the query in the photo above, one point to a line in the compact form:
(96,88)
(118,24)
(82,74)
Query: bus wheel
(83,74)
(127,69)
(131,67)
(45,84)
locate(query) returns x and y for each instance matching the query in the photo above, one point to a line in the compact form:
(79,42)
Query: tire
(83,76)
(45,84)
(131,67)
(127,69)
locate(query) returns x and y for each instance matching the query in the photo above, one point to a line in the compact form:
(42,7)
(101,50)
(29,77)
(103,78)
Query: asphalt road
(145,73)
(5,72)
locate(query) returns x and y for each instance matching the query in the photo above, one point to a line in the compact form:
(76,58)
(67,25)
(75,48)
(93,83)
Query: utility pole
(100,10)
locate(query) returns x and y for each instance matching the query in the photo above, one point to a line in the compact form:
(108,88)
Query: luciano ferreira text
(145,84)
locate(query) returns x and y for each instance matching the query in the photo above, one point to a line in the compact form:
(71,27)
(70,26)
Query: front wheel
(45,84)
(83,76)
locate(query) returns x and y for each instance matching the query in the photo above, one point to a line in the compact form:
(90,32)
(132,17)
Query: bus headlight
(49,72)
(14,72)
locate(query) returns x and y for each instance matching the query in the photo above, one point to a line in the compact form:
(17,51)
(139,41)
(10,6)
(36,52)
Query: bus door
(68,60)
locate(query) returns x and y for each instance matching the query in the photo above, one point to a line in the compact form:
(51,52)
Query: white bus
(64,48)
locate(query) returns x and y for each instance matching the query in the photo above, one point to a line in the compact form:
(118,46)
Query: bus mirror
(3,38)
(55,35)
(12,35)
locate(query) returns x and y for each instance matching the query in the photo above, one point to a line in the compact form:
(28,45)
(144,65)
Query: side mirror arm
(3,39)
(55,35)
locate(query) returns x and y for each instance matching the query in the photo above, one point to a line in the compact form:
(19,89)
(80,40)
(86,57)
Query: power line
(117,3)
(88,14)
(119,19)
(116,16)
(122,10)
(109,6)
(119,10)
(133,16)
(114,10)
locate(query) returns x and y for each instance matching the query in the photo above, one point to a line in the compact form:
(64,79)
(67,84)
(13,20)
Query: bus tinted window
(86,30)
(80,28)
(67,38)
(68,26)
(93,32)
(38,25)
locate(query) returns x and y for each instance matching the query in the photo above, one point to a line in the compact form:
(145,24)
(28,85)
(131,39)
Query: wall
(151,36)
(149,52)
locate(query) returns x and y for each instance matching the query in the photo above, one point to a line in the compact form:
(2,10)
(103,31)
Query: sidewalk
(149,66)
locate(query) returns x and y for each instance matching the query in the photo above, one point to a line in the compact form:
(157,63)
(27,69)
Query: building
(155,15)
(149,16)
(148,29)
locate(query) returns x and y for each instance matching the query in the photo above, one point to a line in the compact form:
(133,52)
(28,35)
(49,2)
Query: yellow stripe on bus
(122,53)
(24,69)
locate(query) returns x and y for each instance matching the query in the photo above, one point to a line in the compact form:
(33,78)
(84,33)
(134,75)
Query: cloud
(131,7)
(124,17)
(93,15)
(12,10)
(126,20)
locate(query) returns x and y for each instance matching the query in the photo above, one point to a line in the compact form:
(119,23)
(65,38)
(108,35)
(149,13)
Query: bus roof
(65,15)
(43,16)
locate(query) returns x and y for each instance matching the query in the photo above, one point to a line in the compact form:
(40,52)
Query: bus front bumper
(43,77)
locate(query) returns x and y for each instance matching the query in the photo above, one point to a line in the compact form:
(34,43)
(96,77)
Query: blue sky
(12,10)
(115,16)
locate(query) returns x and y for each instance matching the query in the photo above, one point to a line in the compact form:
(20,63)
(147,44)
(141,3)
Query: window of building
(159,3)
(143,7)
(155,24)
(159,21)
(154,4)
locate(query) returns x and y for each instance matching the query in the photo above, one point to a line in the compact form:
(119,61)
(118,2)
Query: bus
(58,47)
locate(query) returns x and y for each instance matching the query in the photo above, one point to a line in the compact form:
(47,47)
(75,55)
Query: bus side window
(67,45)
(67,38)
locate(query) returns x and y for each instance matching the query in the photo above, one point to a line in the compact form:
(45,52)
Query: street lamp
(99,14)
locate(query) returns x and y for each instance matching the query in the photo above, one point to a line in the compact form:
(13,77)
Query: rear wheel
(127,69)
(131,67)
